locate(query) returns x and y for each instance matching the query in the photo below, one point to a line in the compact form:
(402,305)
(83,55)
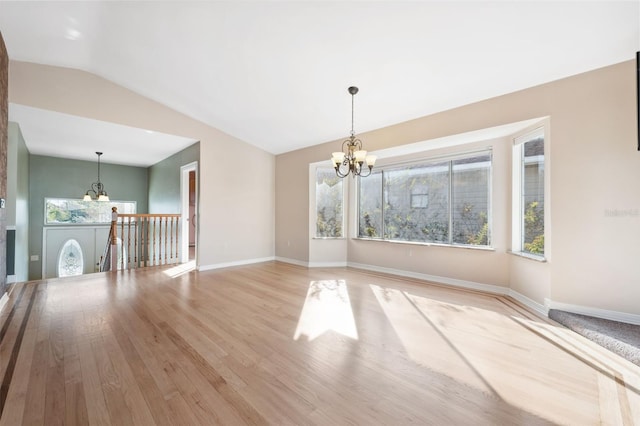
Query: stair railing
(142,240)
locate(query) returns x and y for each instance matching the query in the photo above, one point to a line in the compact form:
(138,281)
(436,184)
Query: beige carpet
(618,337)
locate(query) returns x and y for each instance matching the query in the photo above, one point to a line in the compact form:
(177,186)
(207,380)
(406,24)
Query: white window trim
(449,158)
(517,218)
(46,223)
(313,211)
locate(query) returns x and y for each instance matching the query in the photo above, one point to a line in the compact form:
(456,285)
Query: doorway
(82,244)
(189,211)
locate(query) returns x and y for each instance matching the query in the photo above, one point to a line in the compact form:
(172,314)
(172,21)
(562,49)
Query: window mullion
(450,236)
(383,206)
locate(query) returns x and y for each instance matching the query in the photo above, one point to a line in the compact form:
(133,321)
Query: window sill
(534,257)
(72,224)
(328,238)
(418,243)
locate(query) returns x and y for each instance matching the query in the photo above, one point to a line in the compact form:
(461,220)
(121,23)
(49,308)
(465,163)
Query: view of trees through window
(76,211)
(329,198)
(442,201)
(533,196)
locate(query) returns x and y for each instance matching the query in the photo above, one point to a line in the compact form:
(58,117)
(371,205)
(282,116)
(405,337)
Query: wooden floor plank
(16,399)
(96,404)
(273,343)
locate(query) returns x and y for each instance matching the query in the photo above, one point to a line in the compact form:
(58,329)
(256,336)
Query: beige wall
(593,167)
(236,209)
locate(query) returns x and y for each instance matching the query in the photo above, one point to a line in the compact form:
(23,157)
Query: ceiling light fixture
(97,188)
(352,157)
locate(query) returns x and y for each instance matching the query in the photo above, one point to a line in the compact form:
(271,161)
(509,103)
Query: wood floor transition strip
(3,332)
(8,375)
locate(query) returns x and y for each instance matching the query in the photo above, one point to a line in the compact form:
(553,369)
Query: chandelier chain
(353,133)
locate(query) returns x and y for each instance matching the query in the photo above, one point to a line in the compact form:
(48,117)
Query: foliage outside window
(529,193)
(76,211)
(444,201)
(329,199)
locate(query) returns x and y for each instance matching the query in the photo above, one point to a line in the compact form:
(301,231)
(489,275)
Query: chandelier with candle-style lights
(352,159)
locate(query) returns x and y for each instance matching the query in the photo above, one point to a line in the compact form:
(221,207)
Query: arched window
(70,259)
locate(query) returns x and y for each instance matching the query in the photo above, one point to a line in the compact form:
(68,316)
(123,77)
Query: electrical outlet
(2,202)
(35,258)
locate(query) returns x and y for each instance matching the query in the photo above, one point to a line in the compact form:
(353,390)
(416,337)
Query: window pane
(70,259)
(471,200)
(69,211)
(425,217)
(533,196)
(370,206)
(328,204)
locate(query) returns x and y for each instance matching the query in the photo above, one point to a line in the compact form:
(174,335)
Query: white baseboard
(236,263)
(327,264)
(11,279)
(594,312)
(292,261)
(434,278)
(530,303)
(488,288)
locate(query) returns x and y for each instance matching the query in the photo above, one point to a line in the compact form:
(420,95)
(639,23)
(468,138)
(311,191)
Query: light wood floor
(279,344)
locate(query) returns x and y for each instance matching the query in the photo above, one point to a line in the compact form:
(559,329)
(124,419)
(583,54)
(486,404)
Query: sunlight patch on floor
(181,269)
(424,343)
(326,308)
(488,350)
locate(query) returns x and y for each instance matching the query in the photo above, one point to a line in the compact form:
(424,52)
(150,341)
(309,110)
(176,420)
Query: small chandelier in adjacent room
(353,157)
(97,188)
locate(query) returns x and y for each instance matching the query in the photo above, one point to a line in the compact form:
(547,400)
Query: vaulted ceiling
(275,74)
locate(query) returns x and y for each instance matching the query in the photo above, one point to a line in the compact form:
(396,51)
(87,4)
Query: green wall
(18,200)
(164,180)
(63,178)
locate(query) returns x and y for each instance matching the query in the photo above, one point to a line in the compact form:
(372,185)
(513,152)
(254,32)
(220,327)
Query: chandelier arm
(358,144)
(339,173)
(347,142)
(370,170)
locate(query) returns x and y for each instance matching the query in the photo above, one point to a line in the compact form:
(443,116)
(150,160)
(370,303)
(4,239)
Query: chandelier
(353,157)
(97,188)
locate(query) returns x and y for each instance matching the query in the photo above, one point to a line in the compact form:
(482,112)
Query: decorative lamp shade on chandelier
(97,188)
(353,157)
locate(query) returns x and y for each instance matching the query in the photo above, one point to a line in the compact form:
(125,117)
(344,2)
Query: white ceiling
(61,135)
(275,74)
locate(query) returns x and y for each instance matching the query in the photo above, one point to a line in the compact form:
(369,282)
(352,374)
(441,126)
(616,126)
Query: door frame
(97,249)
(185,220)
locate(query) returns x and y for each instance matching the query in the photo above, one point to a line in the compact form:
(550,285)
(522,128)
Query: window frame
(47,223)
(449,159)
(314,203)
(517,196)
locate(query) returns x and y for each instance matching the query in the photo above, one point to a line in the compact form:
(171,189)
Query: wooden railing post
(114,238)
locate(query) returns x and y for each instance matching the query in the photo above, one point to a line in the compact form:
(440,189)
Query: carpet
(619,337)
